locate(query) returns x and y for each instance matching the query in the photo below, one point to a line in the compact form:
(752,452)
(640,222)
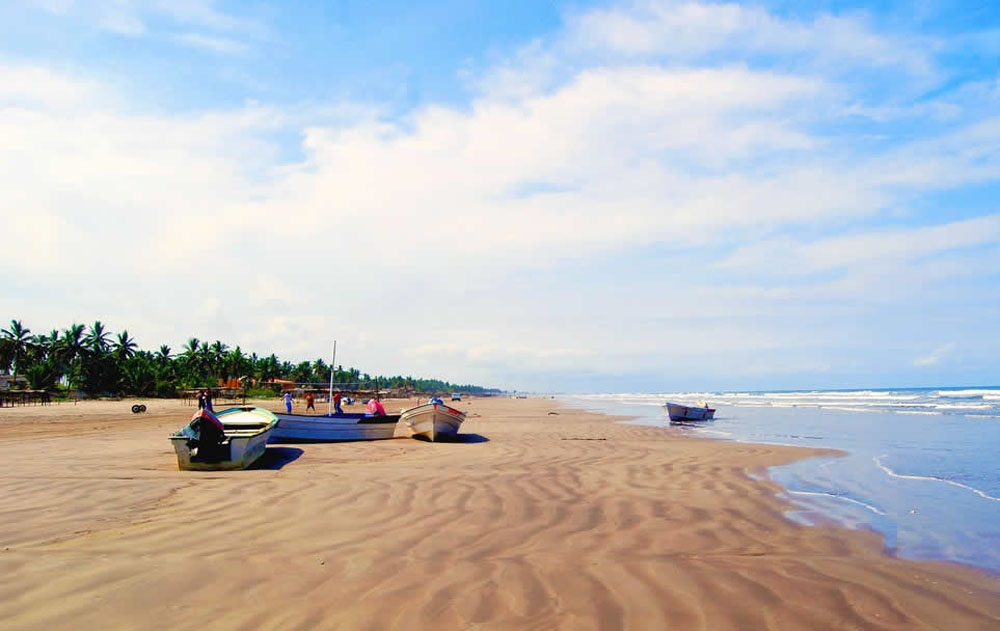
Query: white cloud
(147,183)
(896,247)
(134,18)
(220,45)
(204,13)
(935,356)
(692,29)
(119,16)
(709,190)
(40,88)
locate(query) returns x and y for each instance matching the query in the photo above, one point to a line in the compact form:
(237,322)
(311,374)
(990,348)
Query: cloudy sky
(635,196)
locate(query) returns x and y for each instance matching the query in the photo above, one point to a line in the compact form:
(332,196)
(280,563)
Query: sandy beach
(542,517)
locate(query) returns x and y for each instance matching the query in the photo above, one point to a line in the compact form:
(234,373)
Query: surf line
(839,497)
(929,478)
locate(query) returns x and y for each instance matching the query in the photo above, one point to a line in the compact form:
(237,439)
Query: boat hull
(679,412)
(247,431)
(333,428)
(433,421)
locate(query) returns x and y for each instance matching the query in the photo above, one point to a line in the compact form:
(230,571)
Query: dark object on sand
(138,408)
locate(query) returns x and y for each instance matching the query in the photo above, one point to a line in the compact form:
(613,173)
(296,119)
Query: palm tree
(238,364)
(204,362)
(17,344)
(191,348)
(138,374)
(320,371)
(45,345)
(72,344)
(302,373)
(268,367)
(190,361)
(166,371)
(124,346)
(163,356)
(218,351)
(97,339)
(71,347)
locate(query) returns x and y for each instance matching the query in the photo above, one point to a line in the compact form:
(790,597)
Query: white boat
(680,412)
(433,420)
(333,427)
(231,439)
(339,426)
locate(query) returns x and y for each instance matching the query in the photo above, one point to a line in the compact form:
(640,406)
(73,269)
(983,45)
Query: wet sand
(541,517)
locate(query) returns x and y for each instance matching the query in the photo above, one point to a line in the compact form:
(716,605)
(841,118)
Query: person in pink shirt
(376,408)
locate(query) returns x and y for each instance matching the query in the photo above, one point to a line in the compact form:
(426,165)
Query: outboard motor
(208,436)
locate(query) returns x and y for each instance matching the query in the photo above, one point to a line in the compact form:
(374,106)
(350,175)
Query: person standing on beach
(201,399)
(336,402)
(310,399)
(288,402)
(208,400)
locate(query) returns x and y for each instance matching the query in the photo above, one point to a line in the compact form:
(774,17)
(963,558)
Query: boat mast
(333,362)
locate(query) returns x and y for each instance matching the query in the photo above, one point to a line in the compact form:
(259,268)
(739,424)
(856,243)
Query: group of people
(374,406)
(205,400)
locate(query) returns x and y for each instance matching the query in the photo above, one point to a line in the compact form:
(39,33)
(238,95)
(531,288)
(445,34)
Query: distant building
(285,384)
(7,382)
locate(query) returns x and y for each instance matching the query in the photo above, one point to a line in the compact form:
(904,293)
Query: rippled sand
(541,518)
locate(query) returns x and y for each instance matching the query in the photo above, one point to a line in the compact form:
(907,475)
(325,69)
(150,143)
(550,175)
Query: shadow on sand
(277,457)
(457,438)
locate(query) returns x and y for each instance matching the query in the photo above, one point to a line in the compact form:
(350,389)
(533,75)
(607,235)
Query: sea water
(920,465)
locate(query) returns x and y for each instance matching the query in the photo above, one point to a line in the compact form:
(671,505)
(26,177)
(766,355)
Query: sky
(648,196)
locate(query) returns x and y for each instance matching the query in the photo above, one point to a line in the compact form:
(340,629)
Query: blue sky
(589,196)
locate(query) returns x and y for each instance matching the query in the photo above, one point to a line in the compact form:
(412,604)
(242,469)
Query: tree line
(98,362)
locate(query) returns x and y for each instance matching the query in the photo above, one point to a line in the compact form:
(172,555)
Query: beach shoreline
(543,516)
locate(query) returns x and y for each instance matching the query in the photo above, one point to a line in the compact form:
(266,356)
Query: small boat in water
(231,439)
(680,413)
(333,427)
(433,420)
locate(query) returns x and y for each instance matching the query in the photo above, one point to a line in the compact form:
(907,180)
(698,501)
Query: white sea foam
(966,394)
(929,478)
(712,432)
(844,498)
(974,401)
(963,406)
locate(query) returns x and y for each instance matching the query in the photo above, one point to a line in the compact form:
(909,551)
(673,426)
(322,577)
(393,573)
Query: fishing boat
(433,420)
(333,427)
(231,439)
(679,413)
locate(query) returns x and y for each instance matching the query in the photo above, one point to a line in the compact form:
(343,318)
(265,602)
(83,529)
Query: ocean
(921,464)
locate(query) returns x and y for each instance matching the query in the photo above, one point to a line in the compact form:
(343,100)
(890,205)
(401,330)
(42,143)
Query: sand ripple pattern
(566,521)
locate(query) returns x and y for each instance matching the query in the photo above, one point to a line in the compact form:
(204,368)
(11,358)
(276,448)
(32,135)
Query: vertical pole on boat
(333,363)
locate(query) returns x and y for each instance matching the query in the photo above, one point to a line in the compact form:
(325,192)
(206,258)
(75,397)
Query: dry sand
(535,521)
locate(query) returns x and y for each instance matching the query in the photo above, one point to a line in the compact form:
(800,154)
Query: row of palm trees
(94,360)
